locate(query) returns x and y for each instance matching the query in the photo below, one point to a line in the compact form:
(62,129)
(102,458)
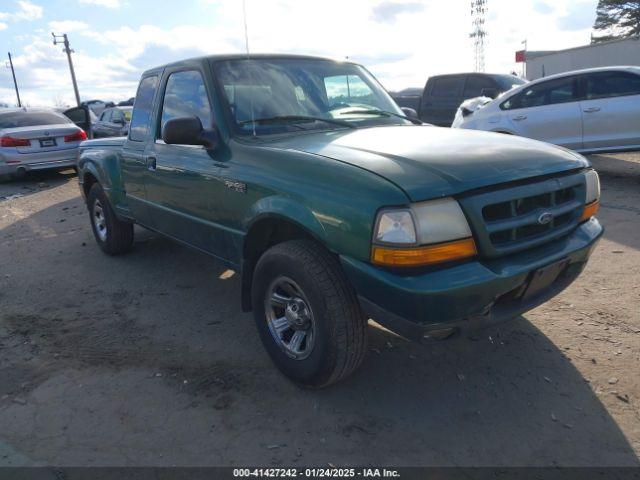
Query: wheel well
(87,182)
(263,235)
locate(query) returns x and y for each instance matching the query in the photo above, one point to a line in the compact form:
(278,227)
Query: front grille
(524,216)
(517,219)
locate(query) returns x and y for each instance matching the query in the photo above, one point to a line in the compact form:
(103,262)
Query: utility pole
(68,51)
(15,83)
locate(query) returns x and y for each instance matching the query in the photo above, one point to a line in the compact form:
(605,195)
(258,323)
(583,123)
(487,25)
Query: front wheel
(112,235)
(307,314)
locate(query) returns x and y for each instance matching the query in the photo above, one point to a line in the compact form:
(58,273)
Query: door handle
(591,109)
(520,118)
(151,163)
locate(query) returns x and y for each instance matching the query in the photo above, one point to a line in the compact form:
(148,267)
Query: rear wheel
(112,235)
(307,314)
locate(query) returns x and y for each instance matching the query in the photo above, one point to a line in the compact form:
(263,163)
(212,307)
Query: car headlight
(593,186)
(592,195)
(395,227)
(424,233)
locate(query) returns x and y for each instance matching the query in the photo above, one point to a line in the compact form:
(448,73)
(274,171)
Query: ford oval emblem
(545,218)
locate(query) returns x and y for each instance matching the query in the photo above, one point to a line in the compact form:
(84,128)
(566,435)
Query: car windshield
(267,96)
(31,119)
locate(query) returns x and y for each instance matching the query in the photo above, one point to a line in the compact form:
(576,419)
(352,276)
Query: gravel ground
(146,359)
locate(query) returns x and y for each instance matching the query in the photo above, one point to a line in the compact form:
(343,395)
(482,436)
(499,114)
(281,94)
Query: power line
(478,13)
(15,83)
(68,51)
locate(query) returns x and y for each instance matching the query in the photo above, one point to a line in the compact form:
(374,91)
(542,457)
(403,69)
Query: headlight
(592,195)
(593,186)
(395,227)
(425,233)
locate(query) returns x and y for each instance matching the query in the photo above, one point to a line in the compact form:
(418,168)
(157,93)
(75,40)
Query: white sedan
(587,110)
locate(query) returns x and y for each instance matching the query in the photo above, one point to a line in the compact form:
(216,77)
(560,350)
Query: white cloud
(103,3)
(66,26)
(399,42)
(26,11)
(3,26)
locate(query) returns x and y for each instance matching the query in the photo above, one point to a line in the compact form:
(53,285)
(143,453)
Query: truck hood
(429,162)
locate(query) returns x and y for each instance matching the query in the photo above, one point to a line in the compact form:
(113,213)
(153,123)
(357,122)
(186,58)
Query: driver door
(183,187)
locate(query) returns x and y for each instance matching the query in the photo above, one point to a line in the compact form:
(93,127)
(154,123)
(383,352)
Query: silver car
(587,110)
(37,139)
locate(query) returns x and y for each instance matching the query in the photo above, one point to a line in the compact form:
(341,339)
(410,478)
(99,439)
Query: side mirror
(490,92)
(409,112)
(188,131)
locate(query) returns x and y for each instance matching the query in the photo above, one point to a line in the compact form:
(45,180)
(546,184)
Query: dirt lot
(147,359)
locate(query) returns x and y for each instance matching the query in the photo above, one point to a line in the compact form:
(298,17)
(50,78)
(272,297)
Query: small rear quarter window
(142,108)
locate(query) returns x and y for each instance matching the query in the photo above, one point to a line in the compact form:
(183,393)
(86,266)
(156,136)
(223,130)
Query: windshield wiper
(382,113)
(296,119)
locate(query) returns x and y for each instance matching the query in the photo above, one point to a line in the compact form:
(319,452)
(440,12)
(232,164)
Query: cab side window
(106,116)
(449,86)
(475,84)
(142,108)
(186,96)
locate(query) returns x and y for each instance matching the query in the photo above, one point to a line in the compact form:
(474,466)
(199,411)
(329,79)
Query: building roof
(542,53)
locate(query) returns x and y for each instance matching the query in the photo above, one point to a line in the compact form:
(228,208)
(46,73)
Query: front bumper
(469,295)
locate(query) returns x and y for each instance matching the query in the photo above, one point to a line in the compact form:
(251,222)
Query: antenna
(478,12)
(246,43)
(246,31)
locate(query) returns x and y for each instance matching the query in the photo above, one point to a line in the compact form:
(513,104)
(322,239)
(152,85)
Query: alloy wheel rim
(290,318)
(99,221)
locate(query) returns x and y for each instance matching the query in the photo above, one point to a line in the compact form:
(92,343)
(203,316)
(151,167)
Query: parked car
(588,110)
(443,94)
(37,139)
(334,207)
(127,103)
(97,106)
(114,122)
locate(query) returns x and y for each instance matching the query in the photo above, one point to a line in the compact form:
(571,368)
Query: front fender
(286,209)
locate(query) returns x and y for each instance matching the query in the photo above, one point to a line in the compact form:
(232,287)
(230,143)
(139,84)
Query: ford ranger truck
(303,175)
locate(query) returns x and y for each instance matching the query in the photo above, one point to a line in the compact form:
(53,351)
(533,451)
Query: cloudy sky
(401,41)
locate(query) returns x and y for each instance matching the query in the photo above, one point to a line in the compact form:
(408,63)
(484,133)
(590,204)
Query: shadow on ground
(146,359)
(34,182)
(619,175)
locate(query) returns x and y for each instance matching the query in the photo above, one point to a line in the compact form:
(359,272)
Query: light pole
(68,51)
(15,83)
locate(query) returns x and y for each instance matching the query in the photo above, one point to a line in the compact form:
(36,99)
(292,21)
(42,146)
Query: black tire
(339,328)
(116,237)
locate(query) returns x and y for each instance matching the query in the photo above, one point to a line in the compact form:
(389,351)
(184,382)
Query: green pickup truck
(303,175)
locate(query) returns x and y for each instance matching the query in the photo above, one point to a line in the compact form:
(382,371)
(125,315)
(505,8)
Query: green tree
(616,19)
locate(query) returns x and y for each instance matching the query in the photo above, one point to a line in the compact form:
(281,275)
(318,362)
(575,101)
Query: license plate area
(545,276)
(48,142)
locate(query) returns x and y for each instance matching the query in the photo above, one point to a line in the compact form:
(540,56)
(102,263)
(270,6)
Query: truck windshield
(260,92)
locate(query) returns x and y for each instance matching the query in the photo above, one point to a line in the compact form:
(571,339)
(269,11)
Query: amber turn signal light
(425,255)
(590,210)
